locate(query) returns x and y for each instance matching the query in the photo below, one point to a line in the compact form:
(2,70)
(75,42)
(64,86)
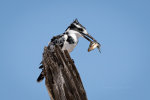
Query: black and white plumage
(68,40)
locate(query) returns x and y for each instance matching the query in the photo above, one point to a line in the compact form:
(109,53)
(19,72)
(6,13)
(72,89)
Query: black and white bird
(68,40)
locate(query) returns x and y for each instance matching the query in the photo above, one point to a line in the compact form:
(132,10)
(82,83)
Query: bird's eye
(80,29)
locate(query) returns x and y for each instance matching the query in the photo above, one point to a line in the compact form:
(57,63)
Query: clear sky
(120,72)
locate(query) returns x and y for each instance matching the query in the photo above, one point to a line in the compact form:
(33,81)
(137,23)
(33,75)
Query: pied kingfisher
(68,40)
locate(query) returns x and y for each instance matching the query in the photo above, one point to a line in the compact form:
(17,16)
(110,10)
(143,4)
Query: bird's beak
(89,37)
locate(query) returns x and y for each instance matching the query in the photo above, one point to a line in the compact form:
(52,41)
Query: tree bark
(62,79)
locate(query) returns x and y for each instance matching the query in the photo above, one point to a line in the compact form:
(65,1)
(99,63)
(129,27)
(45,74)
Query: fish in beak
(93,43)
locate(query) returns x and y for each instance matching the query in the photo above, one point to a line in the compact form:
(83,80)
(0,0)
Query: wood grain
(62,79)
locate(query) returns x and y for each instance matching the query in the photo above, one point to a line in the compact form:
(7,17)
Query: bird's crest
(76,21)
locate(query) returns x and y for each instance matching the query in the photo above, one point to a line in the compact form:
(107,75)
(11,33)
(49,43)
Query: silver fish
(94,45)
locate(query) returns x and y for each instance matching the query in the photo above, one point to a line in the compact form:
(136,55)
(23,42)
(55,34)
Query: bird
(67,40)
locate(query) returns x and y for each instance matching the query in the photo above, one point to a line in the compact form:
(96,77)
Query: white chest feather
(70,46)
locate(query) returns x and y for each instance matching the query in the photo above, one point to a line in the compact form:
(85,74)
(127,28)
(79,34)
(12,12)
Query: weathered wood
(62,79)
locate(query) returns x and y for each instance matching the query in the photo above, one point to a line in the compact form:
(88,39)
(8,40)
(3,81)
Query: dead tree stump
(62,79)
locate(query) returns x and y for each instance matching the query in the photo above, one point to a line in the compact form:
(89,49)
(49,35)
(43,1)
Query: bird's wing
(58,40)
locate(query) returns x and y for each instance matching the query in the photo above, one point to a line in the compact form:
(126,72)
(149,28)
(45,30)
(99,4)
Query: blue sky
(120,72)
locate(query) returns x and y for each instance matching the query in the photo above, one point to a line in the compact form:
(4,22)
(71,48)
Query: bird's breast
(70,43)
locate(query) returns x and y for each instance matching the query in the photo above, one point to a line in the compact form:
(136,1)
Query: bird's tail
(41,77)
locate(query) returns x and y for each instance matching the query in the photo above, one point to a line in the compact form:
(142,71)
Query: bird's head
(79,30)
